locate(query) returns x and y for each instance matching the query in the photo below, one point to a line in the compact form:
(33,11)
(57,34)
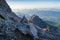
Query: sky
(31,4)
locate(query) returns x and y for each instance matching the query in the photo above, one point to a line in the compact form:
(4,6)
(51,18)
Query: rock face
(4,5)
(42,24)
(24,20)
(11,27)
(37,21)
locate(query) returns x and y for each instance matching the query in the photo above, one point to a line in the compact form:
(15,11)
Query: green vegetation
(58,26)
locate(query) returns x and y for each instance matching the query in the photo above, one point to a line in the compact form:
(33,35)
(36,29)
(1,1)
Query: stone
(12,29)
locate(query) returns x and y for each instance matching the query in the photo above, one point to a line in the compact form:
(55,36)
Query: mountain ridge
(12,28)
(47,15)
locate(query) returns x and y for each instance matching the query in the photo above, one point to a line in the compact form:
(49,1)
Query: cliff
(11,27)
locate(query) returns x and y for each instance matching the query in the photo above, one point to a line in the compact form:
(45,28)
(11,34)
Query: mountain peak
(11,27)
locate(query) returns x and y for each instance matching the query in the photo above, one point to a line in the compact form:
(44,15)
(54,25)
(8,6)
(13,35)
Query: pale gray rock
(11,27)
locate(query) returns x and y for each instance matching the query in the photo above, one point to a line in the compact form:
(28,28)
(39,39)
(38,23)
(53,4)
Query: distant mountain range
(45,14)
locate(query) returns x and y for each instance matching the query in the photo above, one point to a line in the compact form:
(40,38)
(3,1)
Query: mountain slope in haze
(56,24)
(45,14)
(12,28)
(43,24)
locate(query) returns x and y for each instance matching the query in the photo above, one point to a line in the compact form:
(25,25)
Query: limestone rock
(11,27)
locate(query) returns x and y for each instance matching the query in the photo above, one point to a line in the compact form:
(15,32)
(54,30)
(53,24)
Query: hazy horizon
(31,4)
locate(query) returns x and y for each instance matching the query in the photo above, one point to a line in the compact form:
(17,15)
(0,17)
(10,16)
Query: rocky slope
(42,24)
(13,27)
